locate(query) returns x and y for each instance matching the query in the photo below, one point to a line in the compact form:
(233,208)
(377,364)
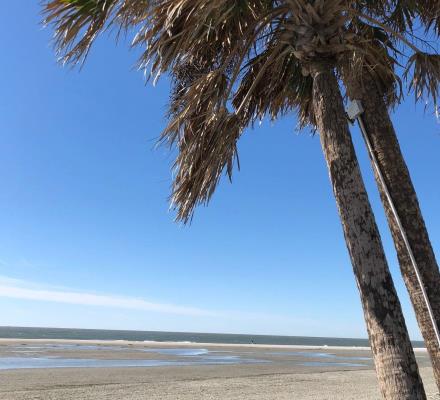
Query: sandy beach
(190,371)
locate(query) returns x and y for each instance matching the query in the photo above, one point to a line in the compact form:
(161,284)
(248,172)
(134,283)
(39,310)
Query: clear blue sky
(86,237)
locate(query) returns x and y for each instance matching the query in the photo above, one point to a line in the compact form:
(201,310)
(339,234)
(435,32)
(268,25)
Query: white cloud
(199,319)
(19,289)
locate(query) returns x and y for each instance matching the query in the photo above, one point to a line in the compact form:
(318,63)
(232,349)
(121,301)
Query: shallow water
(84,347)
(178,352)
(59,362)
(330,364)
(318,355)
(51,362)
(67,346)
(39,356)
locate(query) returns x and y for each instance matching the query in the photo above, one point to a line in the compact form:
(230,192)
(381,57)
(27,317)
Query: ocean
(100,334)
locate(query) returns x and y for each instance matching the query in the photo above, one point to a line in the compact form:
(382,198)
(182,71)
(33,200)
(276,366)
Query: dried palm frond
(275,88)
(206,69)
(185,31)
(423,73)
(396,19)
(201,161)
(397,14)
(429,13)
(402,15)
(206,135)
(78,22)
(377,58)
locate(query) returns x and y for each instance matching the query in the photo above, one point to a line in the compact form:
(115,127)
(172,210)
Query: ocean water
(98,334)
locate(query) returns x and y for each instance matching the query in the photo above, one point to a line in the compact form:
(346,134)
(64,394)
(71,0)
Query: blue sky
(86,235)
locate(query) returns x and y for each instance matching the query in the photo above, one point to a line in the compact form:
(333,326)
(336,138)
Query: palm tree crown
(235,61)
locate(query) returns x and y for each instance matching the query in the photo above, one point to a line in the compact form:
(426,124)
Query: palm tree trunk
(393,167)
(394,358)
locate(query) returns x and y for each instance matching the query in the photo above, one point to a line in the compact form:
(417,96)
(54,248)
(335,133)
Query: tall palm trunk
(392,165)
(394,358)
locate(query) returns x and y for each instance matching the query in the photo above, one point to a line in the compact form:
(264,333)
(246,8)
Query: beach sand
(279,374)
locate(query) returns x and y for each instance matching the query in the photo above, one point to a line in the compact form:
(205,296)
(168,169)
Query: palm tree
(393,167)
(234,62)
(391,163)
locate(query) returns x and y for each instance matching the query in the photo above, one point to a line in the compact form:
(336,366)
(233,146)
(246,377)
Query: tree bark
(393,167)
(393,354)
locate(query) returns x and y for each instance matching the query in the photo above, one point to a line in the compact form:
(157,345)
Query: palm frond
(423,73)
(206,136)
(429,13)
(275,88)
(185,31)
(77,23)
(376,55)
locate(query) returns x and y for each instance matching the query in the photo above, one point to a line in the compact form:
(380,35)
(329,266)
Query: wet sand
(267,372)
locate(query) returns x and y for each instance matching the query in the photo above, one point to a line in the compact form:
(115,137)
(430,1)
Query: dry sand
(278,378)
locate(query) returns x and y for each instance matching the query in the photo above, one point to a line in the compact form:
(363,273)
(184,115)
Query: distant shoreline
(150,343)
(185,337)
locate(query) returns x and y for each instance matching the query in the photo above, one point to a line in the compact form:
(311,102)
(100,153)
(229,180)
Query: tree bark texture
(393,167)
(393,354)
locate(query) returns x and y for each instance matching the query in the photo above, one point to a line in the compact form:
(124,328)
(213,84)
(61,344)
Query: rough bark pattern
(394,358)
(387,150)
